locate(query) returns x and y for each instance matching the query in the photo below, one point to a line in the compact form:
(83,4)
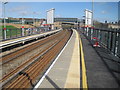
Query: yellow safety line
(73,75)
(84,76)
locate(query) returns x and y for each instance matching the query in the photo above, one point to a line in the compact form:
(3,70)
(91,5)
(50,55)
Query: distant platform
(7,43)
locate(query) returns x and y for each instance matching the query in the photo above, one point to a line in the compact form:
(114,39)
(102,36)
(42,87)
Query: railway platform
(65,70)
(11,42)
(79,65)
(102,67)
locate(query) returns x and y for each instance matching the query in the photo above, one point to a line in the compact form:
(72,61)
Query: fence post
(111,41)
(2,34)
(16,33)
(115,42)
(21,32)
(87,31)
(25,31)
(119,43)
(92,33)
(108,37)
(10,34)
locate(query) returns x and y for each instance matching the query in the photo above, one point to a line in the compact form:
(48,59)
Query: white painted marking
(39,83)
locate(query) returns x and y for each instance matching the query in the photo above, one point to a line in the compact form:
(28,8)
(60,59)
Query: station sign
(50,16)
(88,17)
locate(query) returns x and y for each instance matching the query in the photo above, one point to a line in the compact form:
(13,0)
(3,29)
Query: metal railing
(17,33)
(109,38)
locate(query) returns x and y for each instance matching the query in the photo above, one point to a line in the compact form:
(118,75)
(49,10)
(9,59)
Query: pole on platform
(92,12)
(22,26)
(92,19)
(4,19)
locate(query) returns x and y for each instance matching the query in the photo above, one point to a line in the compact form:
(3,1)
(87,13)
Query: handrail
(110,38)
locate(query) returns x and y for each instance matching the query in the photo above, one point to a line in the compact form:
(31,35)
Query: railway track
(27,77)
(7,59)
(11,56)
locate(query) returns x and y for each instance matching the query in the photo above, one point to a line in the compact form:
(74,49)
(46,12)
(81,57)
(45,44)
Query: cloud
(35,13)
(23,13)
(102,3)
(104,12)
(21,10)
(104,19)
(57,16)
(0,10)
(18,9)
(24,10)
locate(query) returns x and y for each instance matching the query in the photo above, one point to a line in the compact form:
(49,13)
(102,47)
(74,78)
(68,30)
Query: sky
(102,10)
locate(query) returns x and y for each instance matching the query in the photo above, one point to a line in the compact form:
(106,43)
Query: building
(33,21)
(13,20)
(106,25)
(73,20)
(30,21)
(57,25)
(65,22)
(114,26)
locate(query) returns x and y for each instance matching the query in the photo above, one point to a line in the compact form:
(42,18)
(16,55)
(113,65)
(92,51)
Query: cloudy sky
(102,10)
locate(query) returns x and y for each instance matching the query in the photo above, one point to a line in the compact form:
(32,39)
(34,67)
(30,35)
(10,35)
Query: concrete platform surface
(65,73)
(101,68)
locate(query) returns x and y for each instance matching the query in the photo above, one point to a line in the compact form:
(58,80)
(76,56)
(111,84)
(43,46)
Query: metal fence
(16,33)
(109,38)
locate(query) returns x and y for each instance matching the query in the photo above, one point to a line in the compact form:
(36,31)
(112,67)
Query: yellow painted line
(73,76)
(84,76)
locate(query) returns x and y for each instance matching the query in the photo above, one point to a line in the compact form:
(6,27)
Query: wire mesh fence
(17,33)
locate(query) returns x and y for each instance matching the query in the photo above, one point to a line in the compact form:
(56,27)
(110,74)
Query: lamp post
(22,26)
(4,19)
(23,21)
(92,12)
(92,20)
(34,19)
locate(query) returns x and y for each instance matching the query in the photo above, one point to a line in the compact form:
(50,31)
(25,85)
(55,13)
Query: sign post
(22,27)
(4,19)
(50,17)
(88,20)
